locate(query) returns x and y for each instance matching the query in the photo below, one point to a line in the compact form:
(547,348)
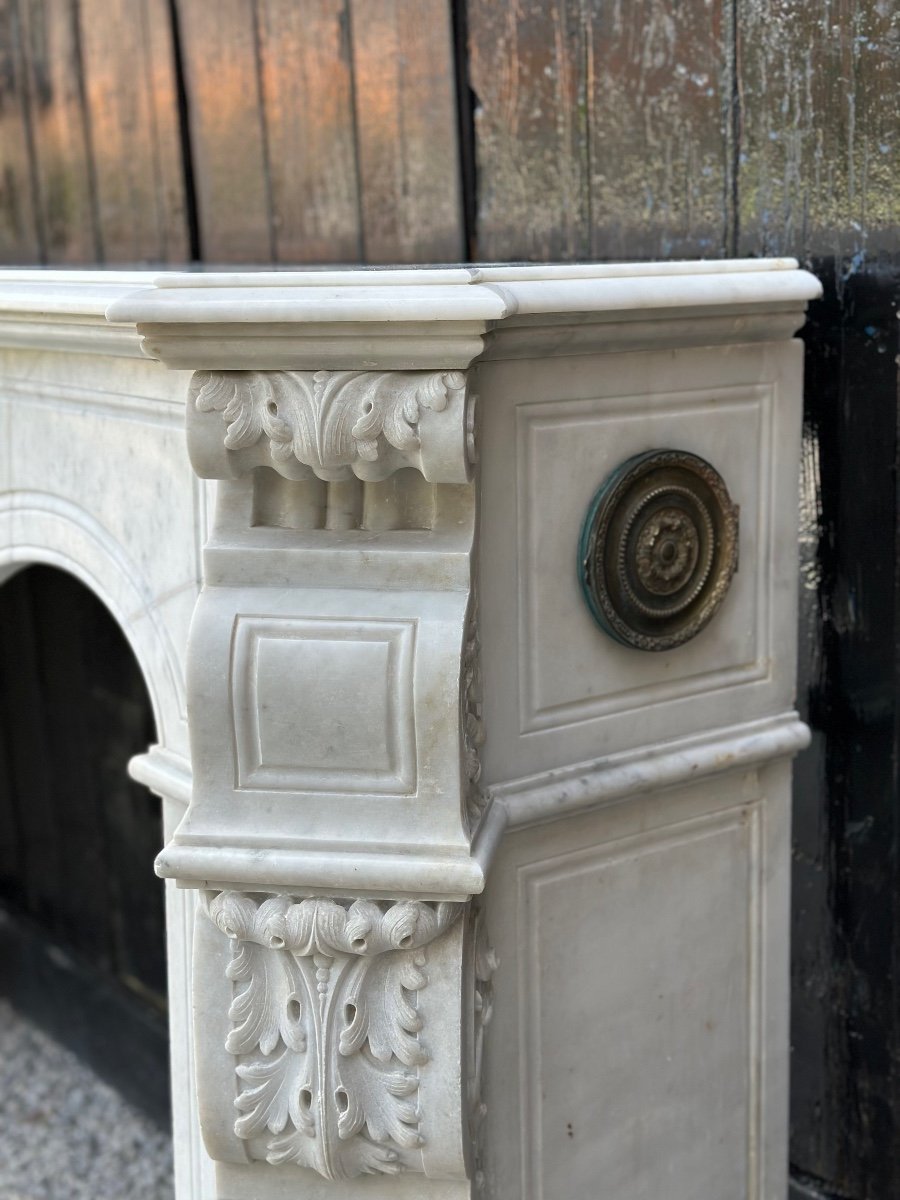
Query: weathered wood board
(307,90)
(19,238)
(135,139)
(54,87)
(603,130)
(323,131)
(819,132)
(406,130)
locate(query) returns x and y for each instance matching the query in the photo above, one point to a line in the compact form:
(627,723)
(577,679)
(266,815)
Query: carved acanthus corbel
(336,727)
(330,1037)
(336,424)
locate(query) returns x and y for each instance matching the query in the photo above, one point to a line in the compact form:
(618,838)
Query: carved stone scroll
(332,424)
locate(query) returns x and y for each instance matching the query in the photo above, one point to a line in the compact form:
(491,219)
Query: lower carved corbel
(354,1029)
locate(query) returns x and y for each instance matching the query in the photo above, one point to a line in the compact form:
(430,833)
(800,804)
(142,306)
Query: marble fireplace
(465,598)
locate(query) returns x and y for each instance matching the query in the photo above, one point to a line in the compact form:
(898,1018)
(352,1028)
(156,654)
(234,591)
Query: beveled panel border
(252,774)
(535,717)
(531,876)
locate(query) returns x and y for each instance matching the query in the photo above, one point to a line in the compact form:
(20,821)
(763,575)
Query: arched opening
(82,938)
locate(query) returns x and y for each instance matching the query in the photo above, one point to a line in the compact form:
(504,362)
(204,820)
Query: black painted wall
(845,1075)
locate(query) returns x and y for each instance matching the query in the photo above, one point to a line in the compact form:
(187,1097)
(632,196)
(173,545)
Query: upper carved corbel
(332,424)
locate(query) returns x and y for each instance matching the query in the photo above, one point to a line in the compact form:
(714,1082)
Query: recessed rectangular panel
(571,671)
(324,705)
(640,1027)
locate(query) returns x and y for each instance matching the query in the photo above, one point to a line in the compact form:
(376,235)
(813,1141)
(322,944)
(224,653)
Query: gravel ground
(66,1135)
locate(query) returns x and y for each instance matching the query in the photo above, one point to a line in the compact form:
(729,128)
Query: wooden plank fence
(310,131)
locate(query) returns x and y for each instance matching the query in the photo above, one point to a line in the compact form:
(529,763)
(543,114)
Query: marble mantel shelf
(466,604)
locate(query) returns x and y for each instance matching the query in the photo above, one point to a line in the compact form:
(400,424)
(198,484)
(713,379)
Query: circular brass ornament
(658,549)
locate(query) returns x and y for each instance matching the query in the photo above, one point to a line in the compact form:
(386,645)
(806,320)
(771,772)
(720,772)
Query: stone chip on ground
(67,1135)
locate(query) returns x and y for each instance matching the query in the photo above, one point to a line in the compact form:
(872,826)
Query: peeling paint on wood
(603,128)
(658,89)
(819,87)
(527,69)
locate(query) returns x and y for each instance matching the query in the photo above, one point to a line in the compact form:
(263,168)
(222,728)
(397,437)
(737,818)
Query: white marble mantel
(478,877)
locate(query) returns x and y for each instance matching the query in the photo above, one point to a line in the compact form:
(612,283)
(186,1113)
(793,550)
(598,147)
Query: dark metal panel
(54,88)
(406,123)
(11,873)
(231,158)
(132,108)
(19,242)
(307,90)
(819,126)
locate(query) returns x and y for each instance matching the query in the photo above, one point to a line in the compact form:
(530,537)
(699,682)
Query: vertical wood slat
(98,101)
(132,111)
(228,136)
(526,64)
(324,130)
(820,126)
(602,129)
(307,92)
(659,95)
(59,130)
(19,242)
(407,130)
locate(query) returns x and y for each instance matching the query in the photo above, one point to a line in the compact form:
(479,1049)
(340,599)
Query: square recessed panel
(324,706)
(569,670)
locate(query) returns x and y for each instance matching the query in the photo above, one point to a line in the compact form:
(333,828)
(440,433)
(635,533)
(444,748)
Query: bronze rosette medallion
(658,549)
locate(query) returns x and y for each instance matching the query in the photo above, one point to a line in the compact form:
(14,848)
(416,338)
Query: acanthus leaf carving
(325,1026)
(277,1091)
(268,1007)
(382,1101)
(331,424)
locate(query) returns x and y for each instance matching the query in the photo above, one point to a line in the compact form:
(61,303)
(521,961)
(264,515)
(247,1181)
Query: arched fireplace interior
(82,940)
